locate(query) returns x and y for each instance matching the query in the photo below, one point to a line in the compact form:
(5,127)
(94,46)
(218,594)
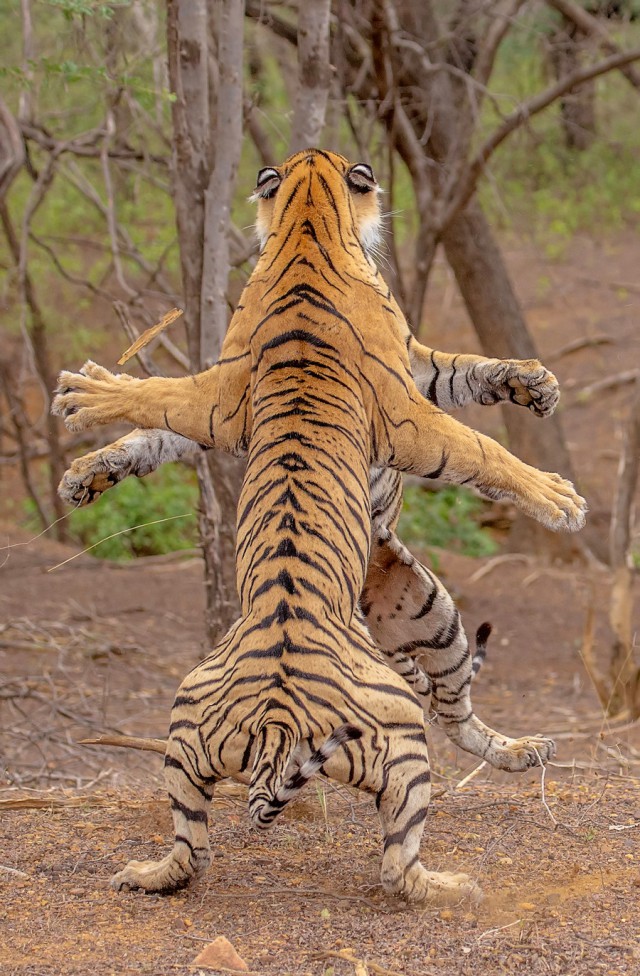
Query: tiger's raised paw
(93,474)
(525,382)
(91,397)
(552,500)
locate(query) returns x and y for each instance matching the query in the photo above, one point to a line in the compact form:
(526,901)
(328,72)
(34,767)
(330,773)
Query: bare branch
(608,383)
(258,10)
(25,107)
(85,145)
(502,20)
(594,28)
(75,176)
(176,354)
(522,114)
(112,224)
(12,149)
(62,271)
(127,742)
(260,138)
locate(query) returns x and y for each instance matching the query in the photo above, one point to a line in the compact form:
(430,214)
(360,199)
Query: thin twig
(14,871)
(543,796)
(608,383)
(127,742)
(471,775)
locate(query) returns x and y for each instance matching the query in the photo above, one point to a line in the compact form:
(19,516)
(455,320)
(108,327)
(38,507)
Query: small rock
(220,954)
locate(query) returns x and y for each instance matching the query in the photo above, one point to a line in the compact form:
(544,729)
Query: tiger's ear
(360,178)
(267,183)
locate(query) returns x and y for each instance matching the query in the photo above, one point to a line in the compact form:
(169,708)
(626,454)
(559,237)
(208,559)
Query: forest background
(505,136)
(130,138)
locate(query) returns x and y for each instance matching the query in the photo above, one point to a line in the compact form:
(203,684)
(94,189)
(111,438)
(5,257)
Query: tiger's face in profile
(275,183)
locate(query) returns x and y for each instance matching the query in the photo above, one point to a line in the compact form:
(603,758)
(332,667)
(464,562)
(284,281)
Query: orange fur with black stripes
(314,382)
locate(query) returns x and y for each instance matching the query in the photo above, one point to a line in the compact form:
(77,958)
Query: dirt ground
(92,647)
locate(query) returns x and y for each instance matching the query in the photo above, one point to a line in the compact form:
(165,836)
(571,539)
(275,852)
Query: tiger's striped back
(298,682)
(315,381)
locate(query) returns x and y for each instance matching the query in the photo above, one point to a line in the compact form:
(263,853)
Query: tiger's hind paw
(146,876)
(500,751)
(518,755)
(160,877)
(439,888)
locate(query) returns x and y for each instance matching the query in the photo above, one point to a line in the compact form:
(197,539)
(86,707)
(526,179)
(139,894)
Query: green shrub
(170,493)
(163,505)
(447,519)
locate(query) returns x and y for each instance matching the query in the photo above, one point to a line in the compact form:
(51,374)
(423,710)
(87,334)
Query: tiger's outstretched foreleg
(430,444)
(452,381)
(190,795)
(411,616)
(449,381)
(185,405)
(137,453)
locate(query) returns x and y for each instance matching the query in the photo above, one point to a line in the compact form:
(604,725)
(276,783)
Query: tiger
(314,385)
(408,611)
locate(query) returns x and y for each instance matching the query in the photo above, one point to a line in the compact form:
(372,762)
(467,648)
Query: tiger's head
(326,182)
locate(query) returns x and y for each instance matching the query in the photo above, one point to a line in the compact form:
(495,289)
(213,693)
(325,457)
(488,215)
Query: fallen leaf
(221,954)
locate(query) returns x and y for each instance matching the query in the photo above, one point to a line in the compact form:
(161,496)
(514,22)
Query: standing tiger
(410,615)
(314,384)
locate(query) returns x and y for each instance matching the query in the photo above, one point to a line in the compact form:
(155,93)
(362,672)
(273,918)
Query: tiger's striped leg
(184,405)
(402,804)
(431,444)
(451,381)
(137,453)
(190,796)
(411,614)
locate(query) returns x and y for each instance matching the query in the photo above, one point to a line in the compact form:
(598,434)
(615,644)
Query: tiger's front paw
(527,383)
(553,501)
(93,474)
(91,397)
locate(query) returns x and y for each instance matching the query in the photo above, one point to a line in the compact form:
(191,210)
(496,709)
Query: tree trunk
(497,317)
(38,337)
(205,70)
(578,107)
(437,103)
(624,672)
(314,75)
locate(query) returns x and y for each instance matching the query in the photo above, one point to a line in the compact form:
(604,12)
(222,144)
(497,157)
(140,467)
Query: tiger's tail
(266,804)
(482,636)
